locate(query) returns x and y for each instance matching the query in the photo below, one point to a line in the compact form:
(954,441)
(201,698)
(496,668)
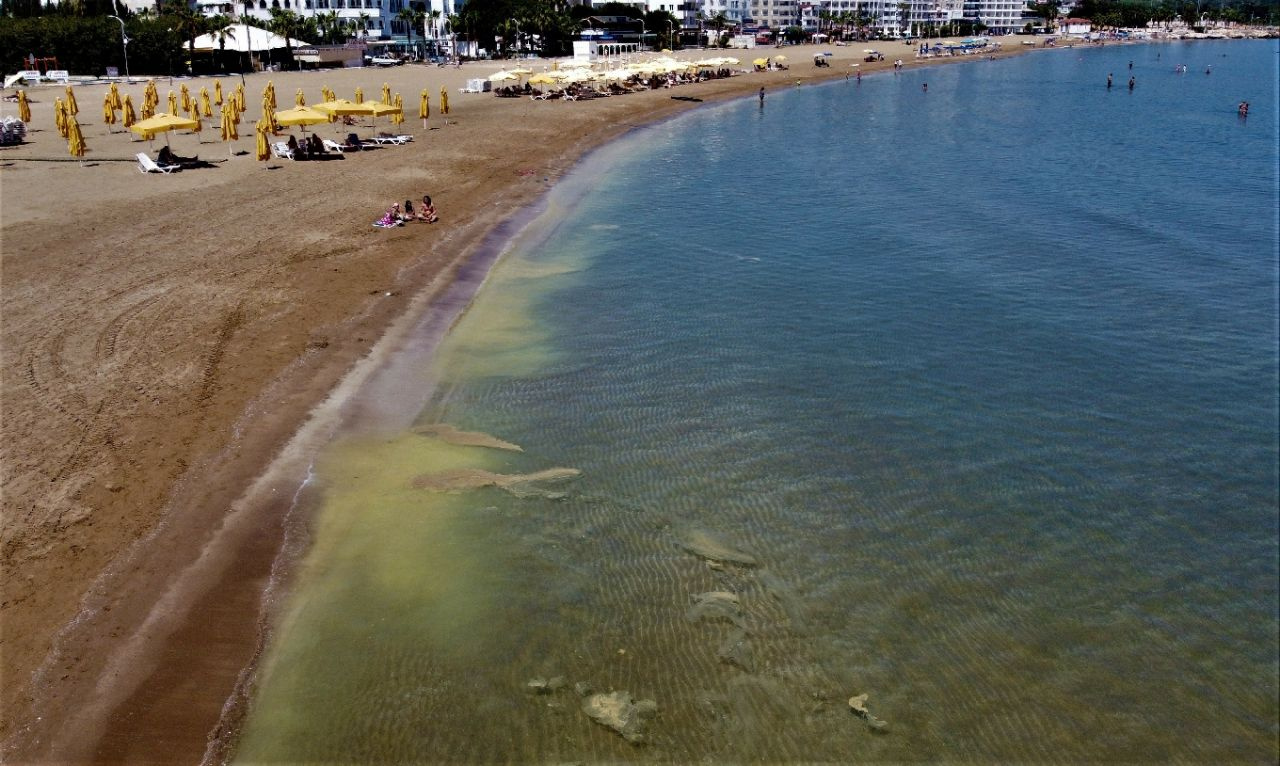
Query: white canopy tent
(246,39)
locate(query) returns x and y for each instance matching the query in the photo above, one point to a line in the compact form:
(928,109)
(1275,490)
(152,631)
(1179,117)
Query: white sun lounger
(334,146)
(397,140)
(148,165)
(282,150)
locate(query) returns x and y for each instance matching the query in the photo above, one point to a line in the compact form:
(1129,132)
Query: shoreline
(175,698)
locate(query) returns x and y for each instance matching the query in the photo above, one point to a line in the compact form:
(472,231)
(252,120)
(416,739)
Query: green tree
(188,23)
(286,24)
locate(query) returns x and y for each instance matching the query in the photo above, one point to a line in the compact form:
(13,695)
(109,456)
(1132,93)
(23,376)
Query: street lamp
(642,31)
(124,42)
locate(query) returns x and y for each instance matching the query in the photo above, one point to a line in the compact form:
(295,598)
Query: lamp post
(671,34)
(642,32)
(124,42)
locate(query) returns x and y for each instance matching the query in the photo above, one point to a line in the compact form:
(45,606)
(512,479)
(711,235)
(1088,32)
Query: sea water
(973,388)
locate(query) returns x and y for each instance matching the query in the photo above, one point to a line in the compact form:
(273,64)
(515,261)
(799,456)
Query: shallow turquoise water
(983,377)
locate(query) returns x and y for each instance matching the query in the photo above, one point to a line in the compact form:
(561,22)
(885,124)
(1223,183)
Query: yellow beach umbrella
(173,103)
(193,109)
(269,114)
(229,132)
(72,106)
(217,92)
(397,117)
(114,90)
(359,99)
(129,116)
(503,75)
(542,78)
(60,116)
(240,105)
(263,152)
(108,114)
(185,98)
(341,106)
(444,100)
(75,139)
(24,109)
(195,115)
(161,123)
(424,107)
(270,93)
(205,107)
(302,115)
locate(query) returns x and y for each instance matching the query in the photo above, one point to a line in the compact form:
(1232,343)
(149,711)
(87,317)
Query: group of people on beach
(395,216)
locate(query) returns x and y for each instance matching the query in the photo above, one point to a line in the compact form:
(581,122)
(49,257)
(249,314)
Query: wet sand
(165,338)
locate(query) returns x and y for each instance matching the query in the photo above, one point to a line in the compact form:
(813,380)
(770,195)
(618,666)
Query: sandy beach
(164,338)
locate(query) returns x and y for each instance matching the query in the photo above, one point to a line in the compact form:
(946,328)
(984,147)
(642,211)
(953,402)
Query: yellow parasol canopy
(299,99)
(342,106)
(161,123)
(544,78)
(386,94)
(173,103)
(262,150)
(24,109)
(760,62)
(205,108)
(217,92)
(195,116)
(503,75)
(359,95)
(75,139)
(302,115)
(229,113)
(72,106)
(444,100)
(240,105)
(60,116)
(108,114)
(129,116)
(397,117)
(114,91)
(424,105)
(269,92)
(185,98)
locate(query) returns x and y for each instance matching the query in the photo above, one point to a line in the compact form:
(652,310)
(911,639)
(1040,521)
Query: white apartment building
(369,19)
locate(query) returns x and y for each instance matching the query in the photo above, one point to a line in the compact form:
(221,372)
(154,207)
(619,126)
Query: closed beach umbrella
(262,150)
(205,108)
(299,99)
(397,117)
(114,92)
(444,100)
(240,105)
(193,109)
(129,116)
(75,139)
(108,114)
(150,98)
(60,116)
(424,107)
(185,98)
(270,93)
(195,115)
(72,107)
(386,94)
(229,132)
(24,109)
(173,103)
(359,96)
(217,92)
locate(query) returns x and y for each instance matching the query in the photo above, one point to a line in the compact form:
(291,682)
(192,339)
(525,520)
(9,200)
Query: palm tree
(223,28)
(285,24)
(186,22)
(411,18)
(435,17)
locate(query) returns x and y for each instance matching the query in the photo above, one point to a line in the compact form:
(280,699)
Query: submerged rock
(712,547)
(450,435)
(622,713)
(858,704)
(717,605)
(519,484)
(736,650)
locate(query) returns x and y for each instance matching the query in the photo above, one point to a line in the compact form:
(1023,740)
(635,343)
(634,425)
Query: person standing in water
(1131,83)
(1108,81)
(762,96)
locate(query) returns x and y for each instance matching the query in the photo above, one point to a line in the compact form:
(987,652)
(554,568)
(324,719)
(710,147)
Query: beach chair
(334,146)
(282,150)
(148,165)
(394,140)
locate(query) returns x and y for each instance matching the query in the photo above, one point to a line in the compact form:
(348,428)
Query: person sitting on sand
(392,217)
(295,149)
(315,145)
(407,214)
(428,211)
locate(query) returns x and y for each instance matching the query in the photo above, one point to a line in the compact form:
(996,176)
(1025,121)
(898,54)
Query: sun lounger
(334,146)
(282,150)
(396,140)
(148,165)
